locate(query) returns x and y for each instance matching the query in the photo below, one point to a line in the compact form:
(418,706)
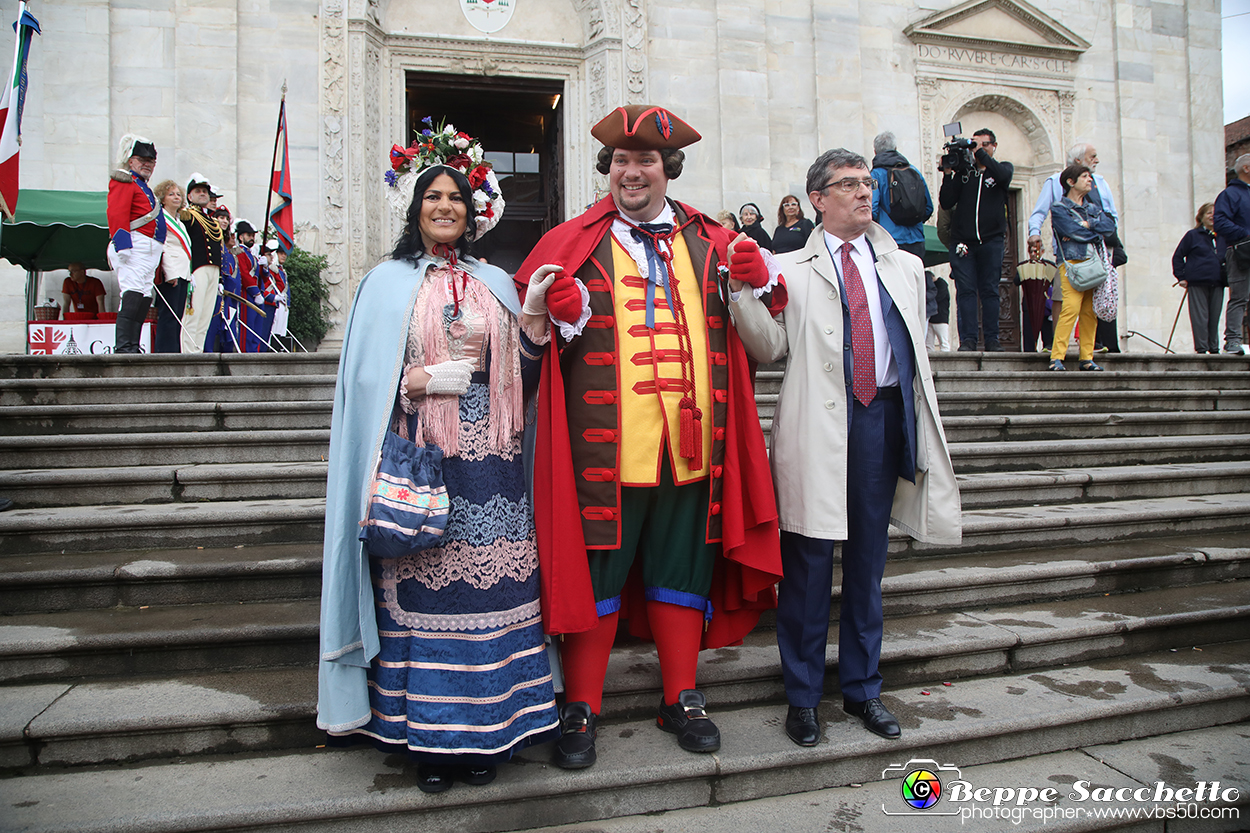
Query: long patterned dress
(463,668)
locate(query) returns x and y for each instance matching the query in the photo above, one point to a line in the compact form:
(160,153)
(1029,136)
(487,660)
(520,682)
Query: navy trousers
(976,277)
(874,450)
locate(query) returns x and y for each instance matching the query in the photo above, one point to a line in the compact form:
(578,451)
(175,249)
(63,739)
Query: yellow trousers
(1076,306)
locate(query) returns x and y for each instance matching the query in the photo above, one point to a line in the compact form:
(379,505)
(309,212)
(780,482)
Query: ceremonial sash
(175,227)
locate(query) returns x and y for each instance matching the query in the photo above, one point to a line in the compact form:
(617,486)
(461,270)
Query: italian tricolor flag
(11,101)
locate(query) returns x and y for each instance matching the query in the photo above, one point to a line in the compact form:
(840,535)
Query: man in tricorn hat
(136,237)
(648,432)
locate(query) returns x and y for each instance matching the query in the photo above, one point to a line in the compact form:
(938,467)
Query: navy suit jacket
(900,345)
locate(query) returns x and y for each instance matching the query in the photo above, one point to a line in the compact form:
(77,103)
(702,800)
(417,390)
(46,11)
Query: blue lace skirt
(463,668)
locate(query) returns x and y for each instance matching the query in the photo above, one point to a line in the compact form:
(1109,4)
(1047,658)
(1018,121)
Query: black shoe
(967,348)
(994,347)
(477,776)
(433,779)
(576,747)
(687,718)
(877,718)
(5,504)
(802,727)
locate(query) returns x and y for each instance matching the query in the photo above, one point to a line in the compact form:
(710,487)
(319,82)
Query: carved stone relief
(333,161)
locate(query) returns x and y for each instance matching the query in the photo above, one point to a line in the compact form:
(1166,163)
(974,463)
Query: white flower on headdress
(449,130)
(460,142)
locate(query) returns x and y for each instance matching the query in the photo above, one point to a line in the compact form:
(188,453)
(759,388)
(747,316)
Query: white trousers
(940,337)
(136,266)
(202,302)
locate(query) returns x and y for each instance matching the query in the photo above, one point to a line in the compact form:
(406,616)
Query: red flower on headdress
(460,162)
(489,211)
(477,176)
(398,157)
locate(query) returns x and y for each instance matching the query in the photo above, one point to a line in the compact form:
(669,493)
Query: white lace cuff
(407,404)
(569,331)
(538,339)
(774,273)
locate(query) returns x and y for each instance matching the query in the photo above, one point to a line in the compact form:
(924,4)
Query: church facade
(769,85)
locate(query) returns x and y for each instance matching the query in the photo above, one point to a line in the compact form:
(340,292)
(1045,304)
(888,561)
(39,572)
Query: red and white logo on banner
(45,339)
(488,15)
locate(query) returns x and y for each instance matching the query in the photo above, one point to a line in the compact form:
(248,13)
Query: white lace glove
(536,295)
(451,378)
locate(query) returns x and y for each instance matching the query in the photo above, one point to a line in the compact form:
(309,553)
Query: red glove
(746,264)
(564,299)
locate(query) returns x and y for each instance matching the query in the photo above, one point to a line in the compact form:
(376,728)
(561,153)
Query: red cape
(750,566)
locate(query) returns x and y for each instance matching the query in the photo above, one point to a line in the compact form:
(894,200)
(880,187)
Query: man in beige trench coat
(857,443)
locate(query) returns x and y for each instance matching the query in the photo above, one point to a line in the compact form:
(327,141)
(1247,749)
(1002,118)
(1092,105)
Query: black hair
(1070,175)
(671,158)
(410,246)
(985,131)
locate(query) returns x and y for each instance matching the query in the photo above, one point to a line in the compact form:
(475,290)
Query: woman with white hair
(136,236)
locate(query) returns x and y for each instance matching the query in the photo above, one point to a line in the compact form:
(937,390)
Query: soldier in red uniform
(137,237)
(648,432)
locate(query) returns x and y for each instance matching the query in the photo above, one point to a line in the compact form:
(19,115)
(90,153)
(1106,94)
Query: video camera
(958,156)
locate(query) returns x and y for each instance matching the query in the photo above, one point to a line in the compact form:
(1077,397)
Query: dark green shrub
(309,297)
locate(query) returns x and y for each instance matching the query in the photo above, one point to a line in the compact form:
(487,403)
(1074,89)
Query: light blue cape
(372,360)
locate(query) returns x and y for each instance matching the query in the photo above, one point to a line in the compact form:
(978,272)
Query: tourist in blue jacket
(1198,264)
(1080,225)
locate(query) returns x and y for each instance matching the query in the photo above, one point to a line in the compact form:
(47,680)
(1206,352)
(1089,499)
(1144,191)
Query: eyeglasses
(851,184)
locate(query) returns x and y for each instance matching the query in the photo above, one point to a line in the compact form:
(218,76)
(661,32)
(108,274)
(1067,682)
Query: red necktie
(864,381)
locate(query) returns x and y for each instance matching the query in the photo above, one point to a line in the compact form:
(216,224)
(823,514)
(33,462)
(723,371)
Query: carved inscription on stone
(990,59)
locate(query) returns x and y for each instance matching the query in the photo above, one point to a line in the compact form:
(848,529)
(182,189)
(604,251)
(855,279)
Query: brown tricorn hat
(643,127)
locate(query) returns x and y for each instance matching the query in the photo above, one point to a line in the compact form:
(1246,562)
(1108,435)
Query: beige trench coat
(808,445)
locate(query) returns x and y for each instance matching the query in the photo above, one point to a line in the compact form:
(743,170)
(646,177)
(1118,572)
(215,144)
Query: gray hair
(1242,161)
(829,161)
(884,141)
(1077,152)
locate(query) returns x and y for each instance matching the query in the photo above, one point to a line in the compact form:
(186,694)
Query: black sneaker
(576,747)
(687,718)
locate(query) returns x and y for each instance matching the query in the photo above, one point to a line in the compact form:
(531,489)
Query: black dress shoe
(877,718)
(433,779)
(994,347)
(478,776)
(687,718)
(576,747)
(802,727)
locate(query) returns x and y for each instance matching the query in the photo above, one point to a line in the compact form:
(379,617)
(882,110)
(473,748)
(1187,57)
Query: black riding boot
(134,307)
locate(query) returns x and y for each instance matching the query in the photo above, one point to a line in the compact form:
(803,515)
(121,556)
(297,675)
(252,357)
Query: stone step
(1032,455)
(35,420)
(165,448)
(158,389)
(987,490)
(1111,380)
(641,770)
(1103,425)
(1132,361)
(168,365)
(1071,525)
(45,488)
(47,582)
(954,403)
(138,526)
(93,722)
(1020,577)
(148,640)
(1128,767)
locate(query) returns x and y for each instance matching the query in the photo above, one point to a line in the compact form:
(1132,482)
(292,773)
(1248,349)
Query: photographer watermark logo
(921,787)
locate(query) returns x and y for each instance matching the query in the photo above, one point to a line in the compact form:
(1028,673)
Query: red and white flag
(12,100)
(281,216)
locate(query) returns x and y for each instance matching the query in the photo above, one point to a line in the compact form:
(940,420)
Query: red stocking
(677,630)
(585,659)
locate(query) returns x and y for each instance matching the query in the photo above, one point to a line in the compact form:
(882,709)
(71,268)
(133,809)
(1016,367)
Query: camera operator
(974,190)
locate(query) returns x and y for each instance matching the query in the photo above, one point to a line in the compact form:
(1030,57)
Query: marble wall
(769,85)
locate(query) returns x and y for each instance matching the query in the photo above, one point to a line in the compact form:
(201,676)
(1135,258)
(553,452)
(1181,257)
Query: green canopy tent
(934,250)
(53,229)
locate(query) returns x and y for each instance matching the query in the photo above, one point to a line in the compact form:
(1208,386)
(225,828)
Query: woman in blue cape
(440,654)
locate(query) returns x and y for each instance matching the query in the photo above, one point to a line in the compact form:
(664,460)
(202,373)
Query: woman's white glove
(540,282)
(450,378)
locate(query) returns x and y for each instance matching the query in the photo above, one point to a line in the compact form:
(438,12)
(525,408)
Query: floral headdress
(444,145)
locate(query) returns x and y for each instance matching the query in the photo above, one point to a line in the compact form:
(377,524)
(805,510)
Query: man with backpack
(901,202)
